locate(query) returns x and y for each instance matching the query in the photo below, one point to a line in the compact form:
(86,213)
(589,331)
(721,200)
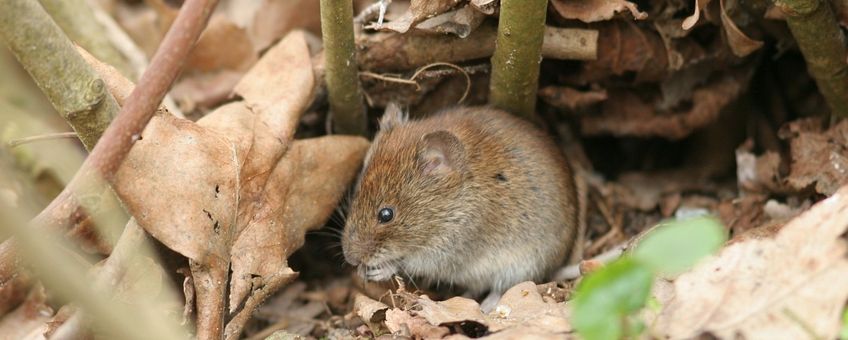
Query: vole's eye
(385,215)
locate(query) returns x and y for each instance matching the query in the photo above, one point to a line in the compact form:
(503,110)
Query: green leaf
(674,247)
(843,334)
(606,297)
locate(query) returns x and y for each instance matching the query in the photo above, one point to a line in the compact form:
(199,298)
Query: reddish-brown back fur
(505,213)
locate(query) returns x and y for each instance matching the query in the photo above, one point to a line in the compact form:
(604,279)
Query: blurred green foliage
(607,301)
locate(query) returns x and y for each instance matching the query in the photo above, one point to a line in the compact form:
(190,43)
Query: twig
(467,77)
(15,142)
(820,39)
(343,92)
(78,20)
(418,73)
(572,272)
(46,53)
(390,79)
(135,56)
(22,23)
(390,52)
(515,64)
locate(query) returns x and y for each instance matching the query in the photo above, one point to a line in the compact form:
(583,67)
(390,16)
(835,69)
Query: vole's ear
(392,116)
(440,153)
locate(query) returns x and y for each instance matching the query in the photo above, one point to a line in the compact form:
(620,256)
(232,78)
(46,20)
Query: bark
(343,90)
(515,64)
(70,84)
(820,39)
(391,52)
(77,19)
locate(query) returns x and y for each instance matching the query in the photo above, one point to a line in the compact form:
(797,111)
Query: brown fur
(482,200)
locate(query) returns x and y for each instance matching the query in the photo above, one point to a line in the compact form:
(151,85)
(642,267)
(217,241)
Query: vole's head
(408,197)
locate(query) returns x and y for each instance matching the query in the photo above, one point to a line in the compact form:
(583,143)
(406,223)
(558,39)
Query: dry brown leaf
(564,97)
(369,310)
(419,10)
(488,7)
(630,115)
(205,90)
(792,286)
(520,306)
(401,322)
(595,10)
(740,44)
(221,192)
(460,22)
(275,18)
(222,45)
(691,20)
(759,174)
(624,47)
(818,157)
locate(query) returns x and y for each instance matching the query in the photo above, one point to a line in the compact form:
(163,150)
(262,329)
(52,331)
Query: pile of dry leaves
(667,108)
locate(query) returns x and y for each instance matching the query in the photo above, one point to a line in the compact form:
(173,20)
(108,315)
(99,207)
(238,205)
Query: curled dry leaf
(274,19)
(460,22)
(487,7)
(630,115)
(233,190)
(740,44)
(402,322)
(691,20)
(792,286)
(564,97)
(759,174)
(418,11)
(818,157)
(205,90)
(623,47)
(521,306)
(222,46)
(595,10)
(369,310)
(818,160)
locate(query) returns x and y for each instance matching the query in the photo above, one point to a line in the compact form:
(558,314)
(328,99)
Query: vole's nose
(348,249)
(351,258)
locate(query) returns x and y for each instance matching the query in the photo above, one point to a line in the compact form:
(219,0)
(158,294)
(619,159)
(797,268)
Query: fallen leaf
(273,19)
(521,305)
(232,191)
(418,11)
(460,22)
(487,7)
(740,44)
(595,10)
(205,90)
(624,47)
(222,45)
(759,174)
(564,97)
(630,115)
(369,310)
(691,20)
(818,157)
(792,286)
(401,322)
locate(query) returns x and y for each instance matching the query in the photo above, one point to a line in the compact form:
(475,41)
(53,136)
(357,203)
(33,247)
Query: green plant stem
(515,64)
(77,19)
(70,84)
(820,39)
(345,95)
